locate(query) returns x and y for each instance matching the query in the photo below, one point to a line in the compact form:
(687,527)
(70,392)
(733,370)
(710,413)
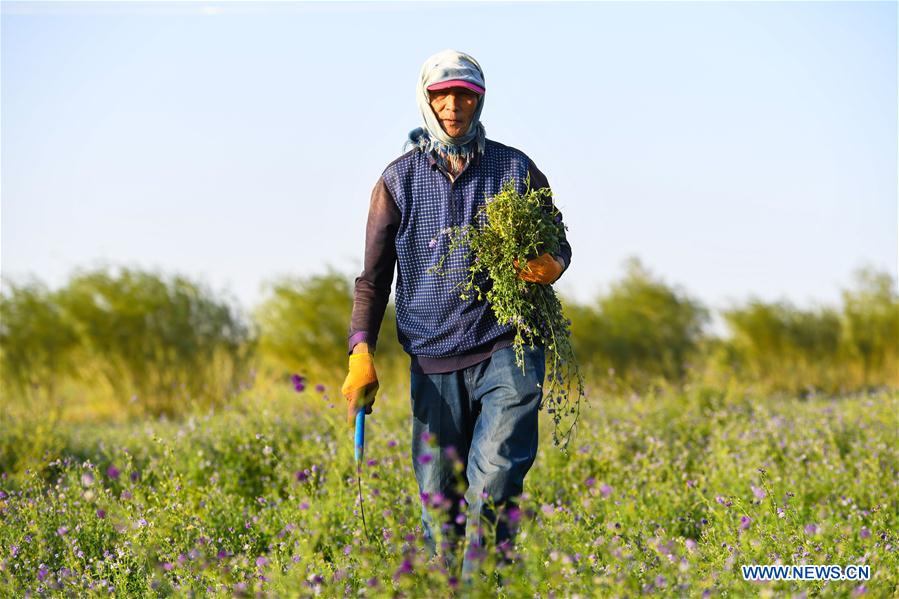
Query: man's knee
(496,487)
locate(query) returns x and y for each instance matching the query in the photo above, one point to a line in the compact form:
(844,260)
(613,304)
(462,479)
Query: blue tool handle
(360,434)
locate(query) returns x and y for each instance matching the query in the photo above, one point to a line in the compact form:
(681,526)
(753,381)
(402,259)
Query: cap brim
(456,83)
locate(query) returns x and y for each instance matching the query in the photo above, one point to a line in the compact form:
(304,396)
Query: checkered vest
(432,320)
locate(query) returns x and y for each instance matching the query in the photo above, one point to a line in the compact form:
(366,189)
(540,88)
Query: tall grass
(665,494)
(151,343)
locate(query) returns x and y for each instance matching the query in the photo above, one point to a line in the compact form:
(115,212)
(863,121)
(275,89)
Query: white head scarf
(446,66)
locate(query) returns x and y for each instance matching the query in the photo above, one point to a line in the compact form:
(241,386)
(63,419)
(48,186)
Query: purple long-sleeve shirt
(372,286)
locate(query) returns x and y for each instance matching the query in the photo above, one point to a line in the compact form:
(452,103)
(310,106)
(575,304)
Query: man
(469,399)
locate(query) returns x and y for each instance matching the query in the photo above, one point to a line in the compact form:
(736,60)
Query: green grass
(262,497)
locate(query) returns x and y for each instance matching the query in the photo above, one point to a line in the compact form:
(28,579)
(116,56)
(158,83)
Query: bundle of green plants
(515,227)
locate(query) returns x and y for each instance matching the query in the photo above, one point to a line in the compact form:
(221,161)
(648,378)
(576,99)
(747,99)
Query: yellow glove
(543,269)
(360,386)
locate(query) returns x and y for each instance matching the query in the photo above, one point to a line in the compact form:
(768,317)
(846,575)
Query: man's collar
(432,158)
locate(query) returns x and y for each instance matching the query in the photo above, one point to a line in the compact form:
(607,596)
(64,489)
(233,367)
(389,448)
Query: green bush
(784,348)
(303,326)
(642,330)
(169,343)
(871,327)
(155,343)
(37,343)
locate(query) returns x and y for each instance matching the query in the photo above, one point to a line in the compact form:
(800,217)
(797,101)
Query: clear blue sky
(739,149)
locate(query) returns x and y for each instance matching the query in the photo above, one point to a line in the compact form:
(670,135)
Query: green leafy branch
(511,227)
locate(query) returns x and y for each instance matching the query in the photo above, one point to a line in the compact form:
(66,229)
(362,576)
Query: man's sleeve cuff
(356,338)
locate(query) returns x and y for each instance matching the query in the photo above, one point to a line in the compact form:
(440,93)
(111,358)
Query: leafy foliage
(514,226)
(164,342)
(37,341)
(665,494)
(871,323)
(642,329)
(87,349)
(303,325)
(784,348)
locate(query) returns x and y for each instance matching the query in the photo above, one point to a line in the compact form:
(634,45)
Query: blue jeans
(474,438)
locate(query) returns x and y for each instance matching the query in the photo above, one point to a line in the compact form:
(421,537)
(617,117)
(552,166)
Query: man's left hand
(543,269)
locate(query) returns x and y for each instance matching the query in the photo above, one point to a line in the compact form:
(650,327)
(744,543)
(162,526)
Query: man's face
(454,107)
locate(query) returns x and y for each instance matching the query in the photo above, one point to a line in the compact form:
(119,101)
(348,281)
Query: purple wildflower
(113,472)
(864,532)
(42,572)
(304,505)
(590,482)
(135,475)
(168,566)
(372,462)
(101,514)
(425,458)
(87,479)
(451,452)
(61,531)
(299,382)
(320,388)
(302,475)
(391,443)
(859,590)
(745,521)
(605,490)
(474,553)
(690,544)
(758,492)
(810,529)
(261,561)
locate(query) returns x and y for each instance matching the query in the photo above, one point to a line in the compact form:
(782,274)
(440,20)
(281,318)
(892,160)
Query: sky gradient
(738,149)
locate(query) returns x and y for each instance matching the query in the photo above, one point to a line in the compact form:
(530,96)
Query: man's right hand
(544,269)
(361,383)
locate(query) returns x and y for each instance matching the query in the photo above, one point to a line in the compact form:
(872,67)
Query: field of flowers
(665,494)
